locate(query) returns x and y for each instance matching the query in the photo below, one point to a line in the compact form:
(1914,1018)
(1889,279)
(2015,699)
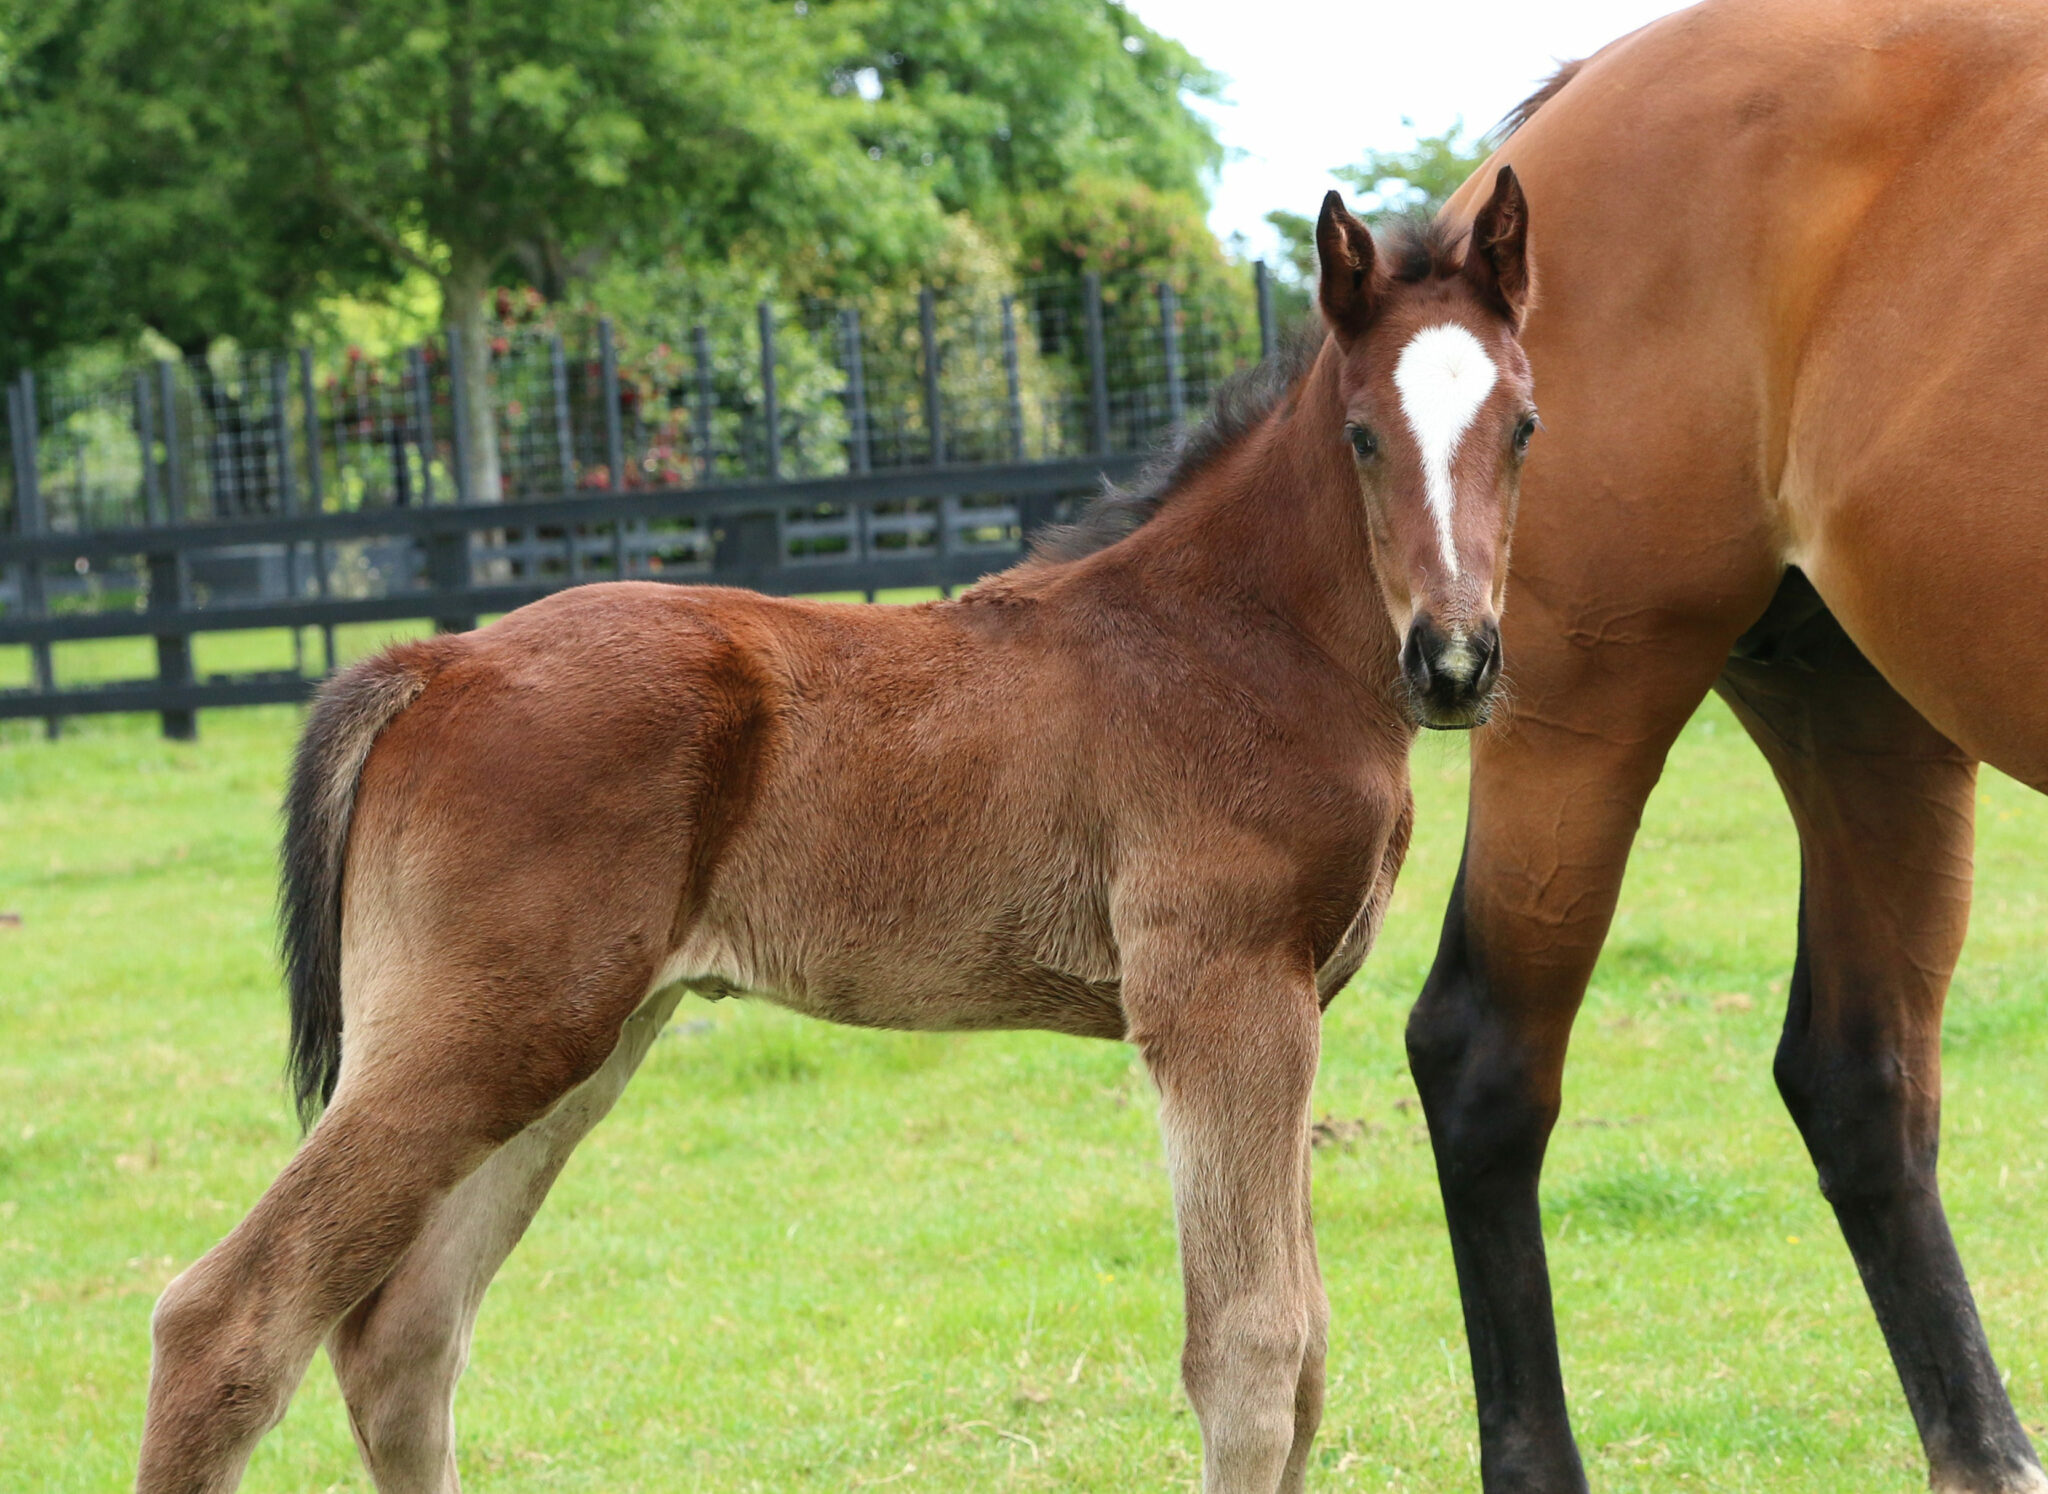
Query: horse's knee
(1243,1377)
(1490,1110)
(1869,1119)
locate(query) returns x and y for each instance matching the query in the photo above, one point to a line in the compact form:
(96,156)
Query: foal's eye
(1523,432)
(1363,441)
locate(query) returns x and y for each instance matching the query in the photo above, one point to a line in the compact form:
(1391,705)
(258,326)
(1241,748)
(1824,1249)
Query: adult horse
(1795,259)
(1150,787)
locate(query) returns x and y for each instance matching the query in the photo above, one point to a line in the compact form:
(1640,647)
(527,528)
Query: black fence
(847,448)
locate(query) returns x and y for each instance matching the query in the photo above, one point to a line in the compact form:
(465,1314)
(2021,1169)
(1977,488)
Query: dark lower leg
(1868,1109)
(1489,1095)
(1883,804)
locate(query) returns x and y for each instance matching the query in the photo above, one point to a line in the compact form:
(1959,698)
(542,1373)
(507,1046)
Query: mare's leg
(400,1351)
(1883,804)
(1557,794)
(427,1094)
(1231,1040)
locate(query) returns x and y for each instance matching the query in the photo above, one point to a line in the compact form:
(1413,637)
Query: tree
(128,197)
(1062,126)
(216,166)
(455,133)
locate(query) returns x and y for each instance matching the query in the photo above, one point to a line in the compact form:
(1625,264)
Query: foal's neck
(1278,520)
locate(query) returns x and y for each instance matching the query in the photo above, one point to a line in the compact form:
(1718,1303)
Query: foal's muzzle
(1450,676)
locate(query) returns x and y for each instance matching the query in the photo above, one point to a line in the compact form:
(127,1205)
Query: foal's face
(1437,419)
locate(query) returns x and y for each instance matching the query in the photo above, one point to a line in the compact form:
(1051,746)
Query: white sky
(1314,84)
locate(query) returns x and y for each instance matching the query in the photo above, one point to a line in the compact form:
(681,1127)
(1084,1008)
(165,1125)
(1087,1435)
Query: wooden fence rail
(864,532)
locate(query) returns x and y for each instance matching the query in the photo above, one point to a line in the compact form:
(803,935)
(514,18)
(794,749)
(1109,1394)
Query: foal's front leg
(1231,1038)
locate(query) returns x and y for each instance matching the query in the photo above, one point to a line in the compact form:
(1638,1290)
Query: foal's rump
(503,830)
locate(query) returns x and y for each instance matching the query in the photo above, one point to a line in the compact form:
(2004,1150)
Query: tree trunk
(463,310)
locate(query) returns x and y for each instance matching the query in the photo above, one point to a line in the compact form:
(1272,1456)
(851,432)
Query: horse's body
(1791,340)
(1157,791)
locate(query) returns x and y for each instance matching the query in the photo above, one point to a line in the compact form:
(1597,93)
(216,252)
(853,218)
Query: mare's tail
(352,709)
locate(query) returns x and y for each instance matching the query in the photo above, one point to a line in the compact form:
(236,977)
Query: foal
(1150,784)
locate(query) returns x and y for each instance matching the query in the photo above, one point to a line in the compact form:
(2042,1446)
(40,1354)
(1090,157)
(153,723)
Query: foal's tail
(352,709)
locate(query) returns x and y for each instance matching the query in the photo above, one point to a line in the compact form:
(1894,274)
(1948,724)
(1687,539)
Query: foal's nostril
(1486,650)
(1415,657)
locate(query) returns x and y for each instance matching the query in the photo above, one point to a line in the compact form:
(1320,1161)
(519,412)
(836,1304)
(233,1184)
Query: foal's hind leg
(1231,1039)
(399,1353)
(1883,805)
(417,1111)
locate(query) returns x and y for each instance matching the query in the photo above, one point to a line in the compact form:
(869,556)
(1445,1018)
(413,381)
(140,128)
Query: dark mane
(1411,249)
(1525,111)
(1243,400)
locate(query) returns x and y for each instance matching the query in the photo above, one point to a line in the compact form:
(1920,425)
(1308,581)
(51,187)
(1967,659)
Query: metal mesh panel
(1054,369)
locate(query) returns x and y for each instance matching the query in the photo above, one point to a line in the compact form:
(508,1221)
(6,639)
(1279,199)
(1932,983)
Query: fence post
(614,438)
(448,573)
(856,391)
(928,342)
(28,520)
(423,421)
(700,355)
(458,405)
(145,439)
(1262,284)
(281,436)
(1013,387)
(174,459)
(565,448)
(614,435)
(447,550)
(287,491)
(565,435)
(1098,365)
(1169,349)
(771,410)
(167,593)
(316,492)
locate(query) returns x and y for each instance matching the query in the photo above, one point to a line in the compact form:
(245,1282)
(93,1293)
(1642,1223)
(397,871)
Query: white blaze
(1443,377)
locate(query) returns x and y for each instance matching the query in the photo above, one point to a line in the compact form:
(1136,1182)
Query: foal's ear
(1497,261)
(1350,284)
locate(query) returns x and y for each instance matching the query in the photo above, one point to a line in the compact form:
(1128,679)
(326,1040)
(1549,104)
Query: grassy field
(804,1258)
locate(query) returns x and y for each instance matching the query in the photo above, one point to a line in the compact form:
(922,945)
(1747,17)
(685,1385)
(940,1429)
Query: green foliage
(210,167)
(1417,180)
(1387,183)
(128,194)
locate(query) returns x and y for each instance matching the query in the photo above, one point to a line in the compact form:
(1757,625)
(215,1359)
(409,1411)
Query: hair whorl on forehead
(1418,249)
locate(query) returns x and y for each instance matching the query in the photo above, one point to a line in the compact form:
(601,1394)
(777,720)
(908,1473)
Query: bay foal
(1149,785)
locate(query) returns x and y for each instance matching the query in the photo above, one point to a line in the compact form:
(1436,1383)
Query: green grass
(800,1257)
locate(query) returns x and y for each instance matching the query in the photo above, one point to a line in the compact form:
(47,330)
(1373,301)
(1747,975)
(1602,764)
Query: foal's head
(1438,416)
